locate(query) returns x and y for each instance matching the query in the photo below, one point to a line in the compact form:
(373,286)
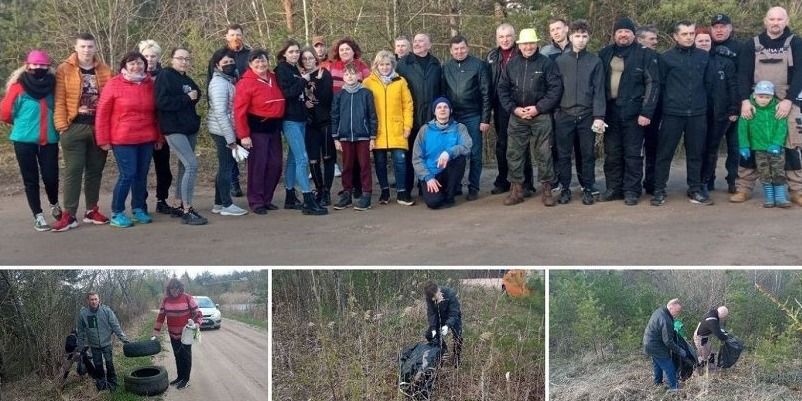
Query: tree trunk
(288,15)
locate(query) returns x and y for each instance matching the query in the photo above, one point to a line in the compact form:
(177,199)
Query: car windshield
(205,302)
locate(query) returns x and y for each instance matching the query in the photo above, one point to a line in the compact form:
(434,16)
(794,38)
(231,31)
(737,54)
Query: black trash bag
(729,352)
(71,342)
(418,366)
(685,366)
(86,366)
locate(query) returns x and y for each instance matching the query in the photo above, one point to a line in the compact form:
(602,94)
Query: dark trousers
(235,174)
(133,163)
(719,128)
(501,120)
(650,133)
(623,158)
(264,168)
(356,153)
(222,181)
(183,357)
(671,131)
(450,179)
(33,159)
(110,375)
(320,150)
(570,130)
(164,177)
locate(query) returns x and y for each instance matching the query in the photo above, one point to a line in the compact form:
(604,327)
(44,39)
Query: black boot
(311,207)
(291,201)
(325,198)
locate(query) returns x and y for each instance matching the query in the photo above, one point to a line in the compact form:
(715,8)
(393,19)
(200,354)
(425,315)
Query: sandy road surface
(229,364)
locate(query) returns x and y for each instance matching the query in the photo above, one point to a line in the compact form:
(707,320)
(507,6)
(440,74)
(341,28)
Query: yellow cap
(528,35)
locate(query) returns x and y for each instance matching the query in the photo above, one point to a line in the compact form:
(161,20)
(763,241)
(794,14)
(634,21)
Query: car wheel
(147,380)
(142,348)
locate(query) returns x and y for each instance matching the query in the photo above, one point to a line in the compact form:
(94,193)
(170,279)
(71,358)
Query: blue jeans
(222,182)
(297,160)
(665,365)
(399,168)
(475,173)
(133,162)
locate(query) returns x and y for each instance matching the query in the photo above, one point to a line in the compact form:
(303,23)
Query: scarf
(38,88)
(386,79)
(353,88)
(131,77)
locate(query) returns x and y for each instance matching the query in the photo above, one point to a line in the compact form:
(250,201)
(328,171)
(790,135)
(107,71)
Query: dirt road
(229,364)
(483,232)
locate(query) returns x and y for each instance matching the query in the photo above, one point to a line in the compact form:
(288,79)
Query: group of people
(548,105)
(96,324)
(662,336)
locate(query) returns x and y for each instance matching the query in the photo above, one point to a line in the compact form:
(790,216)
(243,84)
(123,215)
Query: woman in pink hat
(28,106)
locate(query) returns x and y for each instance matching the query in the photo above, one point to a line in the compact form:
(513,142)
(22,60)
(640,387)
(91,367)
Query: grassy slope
(355,358)
(262,324)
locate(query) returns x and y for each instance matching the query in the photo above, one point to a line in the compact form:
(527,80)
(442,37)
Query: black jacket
(722,100)
(746,63)
(730,48)
(639,88)
(583,84)
(446,313)
(424,80)
(466,84)
(292,85)
(530,81)
(321,91)
(353,116)
(494,67)
(684,79)
(174,109)
(659,337)
(711,325)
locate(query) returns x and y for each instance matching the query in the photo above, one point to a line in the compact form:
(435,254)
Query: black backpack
(418,366)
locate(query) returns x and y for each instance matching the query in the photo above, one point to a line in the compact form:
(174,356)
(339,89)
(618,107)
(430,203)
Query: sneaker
(162,207)
(405,199)
(499,190)
(337,171)
(631,198)
(565,197)
(260,210)
(473,195)
(587,198)
(65,223)
(120,220)
(216,209)
(39,223)
(177,211)
(384,198)
(95,217)
(344,202)
(192,218)
(363,203)
(175,382)
(233,210)
(699,198)
(659,199)
(55,211)
(141,216)
(184,384)
(611,195)
(556,187)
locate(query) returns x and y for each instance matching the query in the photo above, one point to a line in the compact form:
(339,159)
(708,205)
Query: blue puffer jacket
(353,116)
(433,139)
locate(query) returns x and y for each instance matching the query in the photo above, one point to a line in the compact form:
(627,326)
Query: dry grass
(355,357)
(630,378)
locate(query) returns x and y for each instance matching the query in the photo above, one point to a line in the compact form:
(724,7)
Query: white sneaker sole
(242,213)
(95,222)
(68,227)
(42,229)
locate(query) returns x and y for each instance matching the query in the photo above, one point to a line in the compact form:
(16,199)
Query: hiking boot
(403,198)
(659,199)
(184,384)
(325,198)
(344,202)
(141,216)
(700,198)
(290,200)
(310,206)
(515,196)
(363,203)
(66,222)
(781,197)
(233,210)
(163,208)
(548,198)
(236,190)
(796,197)
(384,198)
(39,223)
(55,211)
(95,217)
(611,195)
(740,197)
(473,194)
(192,218)
(120,220)
(565,197)
(499,190)
(631,198)
(587,197)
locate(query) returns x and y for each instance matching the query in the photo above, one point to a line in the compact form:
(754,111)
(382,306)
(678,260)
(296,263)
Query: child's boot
(768,195)
(781,196)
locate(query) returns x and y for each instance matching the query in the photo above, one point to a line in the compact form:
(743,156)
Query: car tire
(147,380)
(142,348)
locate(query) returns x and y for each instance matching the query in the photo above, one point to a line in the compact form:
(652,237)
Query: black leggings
(320,149)
(183,359)
(32,158)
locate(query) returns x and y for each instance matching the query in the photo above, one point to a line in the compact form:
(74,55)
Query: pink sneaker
(95,217)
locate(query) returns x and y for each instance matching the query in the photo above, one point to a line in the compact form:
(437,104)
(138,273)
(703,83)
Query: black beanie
(624,23)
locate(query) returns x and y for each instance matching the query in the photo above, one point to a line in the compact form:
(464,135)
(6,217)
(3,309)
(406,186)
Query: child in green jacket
(765,134)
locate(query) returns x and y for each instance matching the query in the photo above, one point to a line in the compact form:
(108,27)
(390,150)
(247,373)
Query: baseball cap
(764,88)
(720,19)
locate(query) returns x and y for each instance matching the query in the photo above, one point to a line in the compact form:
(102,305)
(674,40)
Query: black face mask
(38,73)
(230,70)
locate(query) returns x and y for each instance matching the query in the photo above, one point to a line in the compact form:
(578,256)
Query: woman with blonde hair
(393,102)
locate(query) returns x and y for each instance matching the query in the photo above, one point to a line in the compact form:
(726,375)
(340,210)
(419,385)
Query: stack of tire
(145,380)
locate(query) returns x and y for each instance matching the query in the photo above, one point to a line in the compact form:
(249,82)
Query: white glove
(153,338)
(444,331)
(239,153)
(598,126)
(434,333)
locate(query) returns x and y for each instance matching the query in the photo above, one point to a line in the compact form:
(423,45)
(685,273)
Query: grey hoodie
(95,328)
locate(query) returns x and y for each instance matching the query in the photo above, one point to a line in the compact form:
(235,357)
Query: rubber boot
(768,195)
(311,207)
(781,196)
(548,199)
(515,196)
(291,201)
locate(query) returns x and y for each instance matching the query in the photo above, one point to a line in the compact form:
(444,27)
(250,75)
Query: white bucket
(188,334)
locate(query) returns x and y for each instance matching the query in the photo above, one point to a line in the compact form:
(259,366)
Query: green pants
(534,136)
(84,161)
(770,168)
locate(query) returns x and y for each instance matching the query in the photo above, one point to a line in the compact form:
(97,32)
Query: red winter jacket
(337,67)
(126,113)
(256,96)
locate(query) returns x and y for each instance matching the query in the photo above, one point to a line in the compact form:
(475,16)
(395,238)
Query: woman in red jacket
(177,308)
(126,124)
(258,109)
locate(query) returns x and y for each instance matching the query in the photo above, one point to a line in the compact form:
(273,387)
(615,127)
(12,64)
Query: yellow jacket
(393,109)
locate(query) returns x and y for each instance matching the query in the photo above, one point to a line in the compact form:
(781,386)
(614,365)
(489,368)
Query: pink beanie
(38,57)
